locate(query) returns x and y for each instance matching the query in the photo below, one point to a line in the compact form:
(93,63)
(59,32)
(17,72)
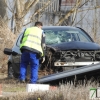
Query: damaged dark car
(67,47)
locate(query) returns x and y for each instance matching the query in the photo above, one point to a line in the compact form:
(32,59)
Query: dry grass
(17,91)
(7,39)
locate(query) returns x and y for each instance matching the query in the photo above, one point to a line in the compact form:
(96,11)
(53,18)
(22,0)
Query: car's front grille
(77,56)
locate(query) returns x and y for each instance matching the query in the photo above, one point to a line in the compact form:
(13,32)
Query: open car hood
(75,45)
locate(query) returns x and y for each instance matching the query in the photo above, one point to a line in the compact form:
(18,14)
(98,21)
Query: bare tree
(21,9)
(38,11)
(73,10)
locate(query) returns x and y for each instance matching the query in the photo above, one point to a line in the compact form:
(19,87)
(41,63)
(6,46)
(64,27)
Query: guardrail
(69,73)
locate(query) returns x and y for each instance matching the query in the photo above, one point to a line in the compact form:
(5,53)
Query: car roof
(57,27)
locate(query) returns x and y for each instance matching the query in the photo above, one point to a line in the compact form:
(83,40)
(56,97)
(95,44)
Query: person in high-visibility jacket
(32,47)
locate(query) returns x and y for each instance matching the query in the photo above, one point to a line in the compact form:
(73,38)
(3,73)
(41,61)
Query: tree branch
(41,9)
(69,13)
(28,5)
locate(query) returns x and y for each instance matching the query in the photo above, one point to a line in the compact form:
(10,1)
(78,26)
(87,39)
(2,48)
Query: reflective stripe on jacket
(32,39)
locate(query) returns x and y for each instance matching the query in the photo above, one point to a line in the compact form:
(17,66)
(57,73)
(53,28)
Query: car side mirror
(8,51)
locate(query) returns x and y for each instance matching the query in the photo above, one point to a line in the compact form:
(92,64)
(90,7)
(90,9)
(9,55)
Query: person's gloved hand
(43,59)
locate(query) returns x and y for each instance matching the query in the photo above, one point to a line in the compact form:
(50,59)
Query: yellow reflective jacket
(32,40)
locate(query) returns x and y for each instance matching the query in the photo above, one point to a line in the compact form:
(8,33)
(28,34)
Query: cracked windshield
(68,35)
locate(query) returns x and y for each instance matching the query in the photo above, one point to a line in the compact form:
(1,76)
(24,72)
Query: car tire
(11,73)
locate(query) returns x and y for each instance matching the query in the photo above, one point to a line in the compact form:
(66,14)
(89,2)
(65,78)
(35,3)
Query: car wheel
(11,73)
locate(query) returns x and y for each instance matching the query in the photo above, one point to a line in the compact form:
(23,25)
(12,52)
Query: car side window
(82,37)
(19,39)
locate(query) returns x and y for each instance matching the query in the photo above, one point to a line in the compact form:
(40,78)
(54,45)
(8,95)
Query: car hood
(75,45)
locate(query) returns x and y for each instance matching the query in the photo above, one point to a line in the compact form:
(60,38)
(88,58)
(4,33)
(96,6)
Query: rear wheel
(11,73)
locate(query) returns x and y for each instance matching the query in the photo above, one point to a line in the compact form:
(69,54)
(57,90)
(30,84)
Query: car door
(16,58)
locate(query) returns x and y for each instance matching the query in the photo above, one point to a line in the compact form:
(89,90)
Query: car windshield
(56,36)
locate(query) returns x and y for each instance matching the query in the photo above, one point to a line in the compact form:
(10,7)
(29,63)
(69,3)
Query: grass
(12,85)
(13,88)
(66,91)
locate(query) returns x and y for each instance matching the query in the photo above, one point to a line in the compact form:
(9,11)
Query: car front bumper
(67,64)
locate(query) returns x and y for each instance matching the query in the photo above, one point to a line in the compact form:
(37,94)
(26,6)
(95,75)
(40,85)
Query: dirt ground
(10,86)
(4,78)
